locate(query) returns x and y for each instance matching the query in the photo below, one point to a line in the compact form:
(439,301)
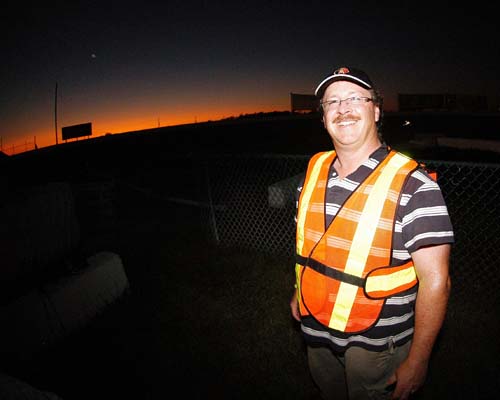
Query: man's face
(352,122)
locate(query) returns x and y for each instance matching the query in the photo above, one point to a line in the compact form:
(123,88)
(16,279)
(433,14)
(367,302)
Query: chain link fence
(252,205)
(248,201)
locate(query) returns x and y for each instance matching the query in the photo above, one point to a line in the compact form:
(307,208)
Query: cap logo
(344,74)
(343,70)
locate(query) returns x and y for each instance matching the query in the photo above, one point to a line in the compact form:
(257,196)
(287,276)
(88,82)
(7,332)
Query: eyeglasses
(350,101)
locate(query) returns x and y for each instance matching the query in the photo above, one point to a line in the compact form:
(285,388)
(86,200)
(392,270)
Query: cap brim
(339,77)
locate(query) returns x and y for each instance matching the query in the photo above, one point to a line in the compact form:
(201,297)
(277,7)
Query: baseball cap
(344,74)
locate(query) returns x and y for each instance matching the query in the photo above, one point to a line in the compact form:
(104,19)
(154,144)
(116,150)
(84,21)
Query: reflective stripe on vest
(316,162)
(306,197)
(360,240)
(386,281)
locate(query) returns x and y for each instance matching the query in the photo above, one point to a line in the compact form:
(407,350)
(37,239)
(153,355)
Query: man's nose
(343,106)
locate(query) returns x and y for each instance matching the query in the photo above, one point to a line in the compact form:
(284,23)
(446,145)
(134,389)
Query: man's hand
(408,378)
(431,265)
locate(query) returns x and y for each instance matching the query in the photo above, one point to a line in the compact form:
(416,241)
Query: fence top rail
(262,156)
(462,163)
(273,156)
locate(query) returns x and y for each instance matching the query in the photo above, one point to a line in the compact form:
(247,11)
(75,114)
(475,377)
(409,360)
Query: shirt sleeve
(423,213)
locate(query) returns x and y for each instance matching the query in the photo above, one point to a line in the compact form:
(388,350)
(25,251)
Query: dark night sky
(134,65)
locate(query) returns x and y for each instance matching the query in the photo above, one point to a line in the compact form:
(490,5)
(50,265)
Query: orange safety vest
(343,273)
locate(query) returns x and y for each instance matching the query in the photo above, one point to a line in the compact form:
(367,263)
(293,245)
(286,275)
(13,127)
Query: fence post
(213,221)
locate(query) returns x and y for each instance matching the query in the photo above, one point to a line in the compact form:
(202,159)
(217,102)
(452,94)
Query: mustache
(343,118)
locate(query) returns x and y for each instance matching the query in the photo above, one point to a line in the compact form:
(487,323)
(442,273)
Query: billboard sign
(76,131)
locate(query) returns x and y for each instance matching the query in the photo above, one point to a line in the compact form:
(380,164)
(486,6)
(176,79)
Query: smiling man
(372,246)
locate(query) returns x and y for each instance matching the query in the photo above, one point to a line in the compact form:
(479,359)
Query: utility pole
(55,111)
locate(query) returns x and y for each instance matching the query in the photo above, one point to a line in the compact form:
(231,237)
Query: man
(373,246)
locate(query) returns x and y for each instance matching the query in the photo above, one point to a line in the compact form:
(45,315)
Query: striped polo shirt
(422,219)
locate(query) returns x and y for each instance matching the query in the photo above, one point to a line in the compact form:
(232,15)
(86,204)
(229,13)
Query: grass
(201,321)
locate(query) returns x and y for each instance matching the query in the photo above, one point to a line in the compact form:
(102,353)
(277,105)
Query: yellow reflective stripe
(362,241)
(343,306)
(390,281)
(306,198)
(297,275)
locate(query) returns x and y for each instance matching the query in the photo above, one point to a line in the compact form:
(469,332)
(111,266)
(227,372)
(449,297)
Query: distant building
(443,102)
(303,102)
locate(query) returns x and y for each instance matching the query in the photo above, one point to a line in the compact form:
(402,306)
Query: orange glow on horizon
(116,125)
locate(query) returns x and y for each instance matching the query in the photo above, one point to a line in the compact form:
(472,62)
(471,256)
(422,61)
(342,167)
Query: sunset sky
(128,66)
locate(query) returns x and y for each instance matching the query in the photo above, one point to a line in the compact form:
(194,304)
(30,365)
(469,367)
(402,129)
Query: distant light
(406,123)
(93,55)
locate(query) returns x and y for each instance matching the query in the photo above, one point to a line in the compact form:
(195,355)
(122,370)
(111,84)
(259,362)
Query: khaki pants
(357,375)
